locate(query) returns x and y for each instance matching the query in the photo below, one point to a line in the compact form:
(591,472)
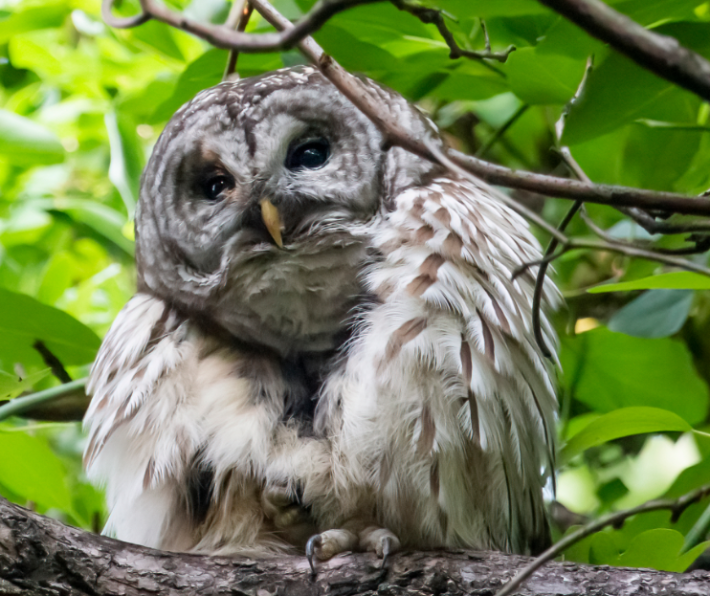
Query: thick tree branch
(42,557)
(660,54)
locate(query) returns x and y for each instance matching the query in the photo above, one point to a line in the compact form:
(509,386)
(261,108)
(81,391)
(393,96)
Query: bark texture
(41,556)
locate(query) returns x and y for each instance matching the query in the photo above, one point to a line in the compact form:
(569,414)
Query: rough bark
(44,557)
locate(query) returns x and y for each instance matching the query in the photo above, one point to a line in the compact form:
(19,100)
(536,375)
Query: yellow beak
(272,221)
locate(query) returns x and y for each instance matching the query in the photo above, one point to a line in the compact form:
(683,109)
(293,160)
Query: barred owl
(326,341)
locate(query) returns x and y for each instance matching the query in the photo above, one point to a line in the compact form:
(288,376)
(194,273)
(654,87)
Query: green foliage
(81,106)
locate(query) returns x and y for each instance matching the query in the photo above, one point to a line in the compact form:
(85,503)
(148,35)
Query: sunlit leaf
(678,280)
(25,142)
(127,158)
(29,468)
(11,385)
(23,321)
(623,422)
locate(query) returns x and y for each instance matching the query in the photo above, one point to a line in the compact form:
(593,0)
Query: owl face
(288,142)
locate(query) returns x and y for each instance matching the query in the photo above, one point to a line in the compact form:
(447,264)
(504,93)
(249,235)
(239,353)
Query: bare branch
(660,54)
(62,403)
(238,18)
(225,37)
(677,507)
(540,280)
(434,17)
(653,226)
(395,135)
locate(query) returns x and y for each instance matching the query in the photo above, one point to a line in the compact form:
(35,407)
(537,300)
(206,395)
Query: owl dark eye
(310,155)
(214,186)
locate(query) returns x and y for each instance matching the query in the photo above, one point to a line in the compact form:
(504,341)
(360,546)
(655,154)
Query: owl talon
(313,543)
(387,548)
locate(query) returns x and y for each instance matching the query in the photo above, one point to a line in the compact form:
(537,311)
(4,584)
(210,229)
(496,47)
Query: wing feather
(461,391)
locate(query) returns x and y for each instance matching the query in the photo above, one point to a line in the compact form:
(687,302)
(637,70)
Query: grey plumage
(375,380)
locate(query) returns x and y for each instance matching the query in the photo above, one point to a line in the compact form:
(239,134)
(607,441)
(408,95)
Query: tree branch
(373,108)
(43,557)
(222,36)
(677,507)
(434,17)
(660,54)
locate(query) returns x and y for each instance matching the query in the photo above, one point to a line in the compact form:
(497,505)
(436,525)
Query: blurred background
(81,106)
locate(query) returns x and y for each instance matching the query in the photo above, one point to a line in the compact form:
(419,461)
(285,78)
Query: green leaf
(603,107)
(543,78)
(678,280)
(127,158)
(24,320)
(659,548)
(623,422)
(206,71)
(31,18)
(656,313)
(25,142)
(11,386)
(29,468)
(607,371)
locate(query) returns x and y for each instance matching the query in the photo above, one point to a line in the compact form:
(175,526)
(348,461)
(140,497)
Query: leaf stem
(19,405)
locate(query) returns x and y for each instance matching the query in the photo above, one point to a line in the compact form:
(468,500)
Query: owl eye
(214,186)
(310,155)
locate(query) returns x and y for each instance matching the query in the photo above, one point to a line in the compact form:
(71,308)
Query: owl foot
(374,539)
(380,541)
(291,520)
(327,544)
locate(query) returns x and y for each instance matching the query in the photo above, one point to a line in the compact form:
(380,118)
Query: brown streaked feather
(502,319)
(453,245)
(475,423)
(426,232)
(428,433)
(431,264)
(488,344)
(419,285)
(434,480)
(405,333)
(443,215)
(466,361)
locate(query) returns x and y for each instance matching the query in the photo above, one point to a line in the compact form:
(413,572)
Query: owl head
(258,204)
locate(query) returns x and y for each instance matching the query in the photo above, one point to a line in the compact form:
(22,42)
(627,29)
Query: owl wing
(141,430)
(458,399)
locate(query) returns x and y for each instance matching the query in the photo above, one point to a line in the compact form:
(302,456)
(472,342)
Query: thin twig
(373,108)
(221,36)
(677,507)
(502,130)
(701,243)
(540,280)
(653,226)
(19,405)
(237,19)
(432,16)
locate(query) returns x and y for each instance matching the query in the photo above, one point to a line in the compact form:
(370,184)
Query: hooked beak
(272,221)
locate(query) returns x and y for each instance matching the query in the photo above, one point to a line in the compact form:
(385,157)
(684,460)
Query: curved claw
(386,550)
(313,543)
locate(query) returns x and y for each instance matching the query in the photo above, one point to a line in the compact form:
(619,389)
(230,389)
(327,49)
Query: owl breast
(296,299)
